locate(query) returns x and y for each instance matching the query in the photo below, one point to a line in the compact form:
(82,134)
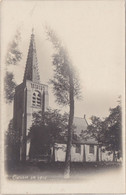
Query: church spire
(31,70)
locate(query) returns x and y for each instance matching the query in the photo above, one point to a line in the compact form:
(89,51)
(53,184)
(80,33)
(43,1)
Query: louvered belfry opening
(36,99)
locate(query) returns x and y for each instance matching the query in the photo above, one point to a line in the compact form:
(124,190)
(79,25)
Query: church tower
(30,96)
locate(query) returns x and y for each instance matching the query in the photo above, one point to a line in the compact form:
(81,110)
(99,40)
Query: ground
(47,171)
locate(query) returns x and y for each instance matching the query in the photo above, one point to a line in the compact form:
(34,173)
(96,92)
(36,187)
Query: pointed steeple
(31,70)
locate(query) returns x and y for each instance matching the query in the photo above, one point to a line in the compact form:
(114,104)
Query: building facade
(82,150)
(32,96)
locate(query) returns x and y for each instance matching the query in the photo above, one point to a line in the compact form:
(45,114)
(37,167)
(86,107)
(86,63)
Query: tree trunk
(101,153)
(70,123)
(97,157)
(114,156)
(84,154)
(53,157)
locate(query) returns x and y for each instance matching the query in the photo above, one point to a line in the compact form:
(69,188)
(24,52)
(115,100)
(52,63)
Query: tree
(65,87)
(96,131)
(12,142)
(47,133)
(13,57)
(107,132)
(39,142)
(9,86)
(113,133)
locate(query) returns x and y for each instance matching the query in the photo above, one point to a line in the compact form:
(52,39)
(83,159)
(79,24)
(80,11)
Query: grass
(45,171)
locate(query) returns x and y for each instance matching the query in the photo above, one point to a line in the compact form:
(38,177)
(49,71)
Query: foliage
(96,129)
(54,121)
(44,135)
(12,140)
(113,133)
(40,141)
(9,86)
(107,132)
(65,87)
(14,55)
(63,70)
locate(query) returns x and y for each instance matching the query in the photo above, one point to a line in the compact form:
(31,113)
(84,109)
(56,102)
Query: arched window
(36,99)
(91,149)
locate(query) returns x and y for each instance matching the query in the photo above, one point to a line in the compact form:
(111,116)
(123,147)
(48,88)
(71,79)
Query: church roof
(31,70)
(80,124)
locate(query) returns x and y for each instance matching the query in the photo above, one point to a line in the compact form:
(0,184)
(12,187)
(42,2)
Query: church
(32,96)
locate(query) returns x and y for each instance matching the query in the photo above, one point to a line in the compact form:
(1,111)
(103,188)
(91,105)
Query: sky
(94,35)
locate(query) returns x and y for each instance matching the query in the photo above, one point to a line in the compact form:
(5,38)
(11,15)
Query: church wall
(30,108)
(18,108)
(60,153)
(105,156)
(76,156)
(19,114)
(30,96)
(31,87)
(90,156)
(46,98)
(82,156)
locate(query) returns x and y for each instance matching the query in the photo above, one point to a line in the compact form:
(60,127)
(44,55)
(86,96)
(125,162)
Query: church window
(91,149)
(36,99)
(78,148)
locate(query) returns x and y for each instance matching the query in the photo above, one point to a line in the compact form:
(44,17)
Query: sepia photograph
(62,96)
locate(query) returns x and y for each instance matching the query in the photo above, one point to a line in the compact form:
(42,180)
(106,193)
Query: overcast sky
(93,32)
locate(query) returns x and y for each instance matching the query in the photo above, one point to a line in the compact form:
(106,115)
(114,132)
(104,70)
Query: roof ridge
(79,117)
